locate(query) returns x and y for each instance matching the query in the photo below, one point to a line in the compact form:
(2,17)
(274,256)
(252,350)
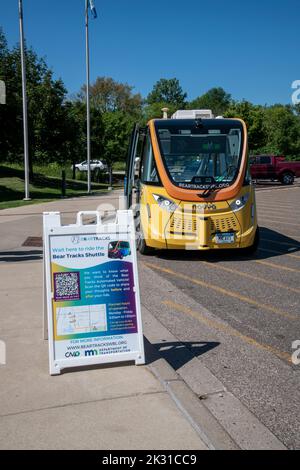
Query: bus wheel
(251,250)
(287,178)
(143,248)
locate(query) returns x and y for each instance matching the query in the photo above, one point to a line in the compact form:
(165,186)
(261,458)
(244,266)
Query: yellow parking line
(228,330)
(276,188)
(282,187)
(277,266)
(251,276)
(288,234)
(264,205)
(265,200)
(281,211)
(272,215)
(279,252)
(267,219)
(280,243)
(226,292)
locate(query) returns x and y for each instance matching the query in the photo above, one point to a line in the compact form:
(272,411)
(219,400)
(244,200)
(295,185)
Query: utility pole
(24,94)
(2,92)
(88,115)
(88,3)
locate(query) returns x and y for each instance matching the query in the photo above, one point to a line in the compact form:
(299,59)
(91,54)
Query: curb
(222,418)
(201,419)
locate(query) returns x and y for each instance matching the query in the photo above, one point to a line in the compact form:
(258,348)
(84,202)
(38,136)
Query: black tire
(251,250)
(142,246)
(287,178)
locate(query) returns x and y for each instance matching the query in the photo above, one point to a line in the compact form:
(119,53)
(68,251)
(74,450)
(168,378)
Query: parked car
(274,167)
(94,164)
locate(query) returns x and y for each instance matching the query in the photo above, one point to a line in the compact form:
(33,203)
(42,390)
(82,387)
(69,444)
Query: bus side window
(148,168)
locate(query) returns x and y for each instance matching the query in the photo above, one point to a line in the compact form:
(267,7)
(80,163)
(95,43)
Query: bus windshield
(197,154)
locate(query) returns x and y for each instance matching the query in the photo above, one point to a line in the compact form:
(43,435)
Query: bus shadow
(272,244)
(177,353)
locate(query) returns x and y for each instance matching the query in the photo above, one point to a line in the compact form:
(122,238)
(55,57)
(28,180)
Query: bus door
(130,166)
(132,177)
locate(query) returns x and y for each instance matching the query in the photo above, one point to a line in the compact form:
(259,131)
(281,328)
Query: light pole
(24,94)
(88,3)
(2,92)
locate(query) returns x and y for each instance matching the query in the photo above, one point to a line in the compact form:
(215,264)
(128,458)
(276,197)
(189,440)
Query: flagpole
(88,116)
(24,95)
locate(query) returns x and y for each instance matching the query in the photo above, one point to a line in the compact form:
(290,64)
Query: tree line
(57,123)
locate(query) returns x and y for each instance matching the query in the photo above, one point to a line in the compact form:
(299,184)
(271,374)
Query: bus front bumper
(208,232)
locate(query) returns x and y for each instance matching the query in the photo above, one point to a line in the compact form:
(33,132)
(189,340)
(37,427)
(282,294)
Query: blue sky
(250,48)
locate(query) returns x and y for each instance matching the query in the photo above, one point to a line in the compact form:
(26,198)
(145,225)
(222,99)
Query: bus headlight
(165,203)
(239,203)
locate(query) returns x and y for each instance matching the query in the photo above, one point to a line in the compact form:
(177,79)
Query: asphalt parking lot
(246,311)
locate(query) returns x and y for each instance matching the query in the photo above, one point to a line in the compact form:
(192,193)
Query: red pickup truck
(275,168)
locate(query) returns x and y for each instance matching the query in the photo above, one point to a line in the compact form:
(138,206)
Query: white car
(94,164)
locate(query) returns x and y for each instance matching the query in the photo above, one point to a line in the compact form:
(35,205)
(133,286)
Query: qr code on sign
(66,286)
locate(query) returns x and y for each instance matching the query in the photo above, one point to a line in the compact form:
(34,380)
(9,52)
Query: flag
(93,9)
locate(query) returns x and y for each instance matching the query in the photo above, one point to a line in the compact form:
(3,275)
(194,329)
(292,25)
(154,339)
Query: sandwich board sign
(92,291)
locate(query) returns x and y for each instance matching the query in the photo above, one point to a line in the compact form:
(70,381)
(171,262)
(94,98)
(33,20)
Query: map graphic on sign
(81,319)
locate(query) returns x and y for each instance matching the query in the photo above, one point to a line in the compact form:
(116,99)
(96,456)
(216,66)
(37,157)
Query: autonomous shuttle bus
(189,182)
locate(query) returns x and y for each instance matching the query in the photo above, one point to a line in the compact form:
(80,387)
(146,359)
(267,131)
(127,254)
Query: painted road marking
(228,330)
(274,213)
(278,252)
(293,236)
(280,223)
(273,205)
(258,189)
(220,290)
(280,243)
(270,209)
(272,265)
(281,211)
(251,276)
(273,216)
(283,232)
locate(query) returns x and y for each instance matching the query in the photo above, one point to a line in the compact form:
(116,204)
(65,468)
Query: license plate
(225,238)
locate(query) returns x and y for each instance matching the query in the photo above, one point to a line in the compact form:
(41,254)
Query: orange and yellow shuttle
(192,185)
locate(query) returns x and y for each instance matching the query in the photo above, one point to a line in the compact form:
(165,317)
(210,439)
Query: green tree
(47,113)
(4,136)
(254,117)
(216,99)
(76,143)
(116,130)
(282,128)
(107,95)
(166,93)
(154,111)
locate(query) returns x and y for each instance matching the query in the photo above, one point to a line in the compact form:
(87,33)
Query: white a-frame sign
(92,291)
